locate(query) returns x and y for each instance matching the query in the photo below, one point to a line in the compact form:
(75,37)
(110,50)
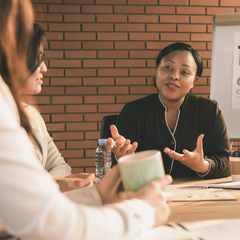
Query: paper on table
(182,193)
(223,229)
(170,233)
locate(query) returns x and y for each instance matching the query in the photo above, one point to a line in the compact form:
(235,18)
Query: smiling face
(175,76)
(34,82)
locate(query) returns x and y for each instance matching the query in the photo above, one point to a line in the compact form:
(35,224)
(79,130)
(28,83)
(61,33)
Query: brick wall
(101,54)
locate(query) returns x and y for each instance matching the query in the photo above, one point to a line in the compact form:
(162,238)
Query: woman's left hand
(194,160)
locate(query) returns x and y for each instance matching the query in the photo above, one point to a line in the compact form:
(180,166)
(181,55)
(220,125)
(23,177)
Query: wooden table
(204,210)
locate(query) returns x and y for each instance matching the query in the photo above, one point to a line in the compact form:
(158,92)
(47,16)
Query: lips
(172,86)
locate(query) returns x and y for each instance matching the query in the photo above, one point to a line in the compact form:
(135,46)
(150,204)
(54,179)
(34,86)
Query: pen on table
(73,179)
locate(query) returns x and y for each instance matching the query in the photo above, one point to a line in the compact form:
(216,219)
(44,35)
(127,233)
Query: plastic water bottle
(103,159)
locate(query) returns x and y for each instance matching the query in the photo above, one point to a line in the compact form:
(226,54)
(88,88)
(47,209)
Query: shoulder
(32,111)
(202,101)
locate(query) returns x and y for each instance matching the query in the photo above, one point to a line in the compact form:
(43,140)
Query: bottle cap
(102,141)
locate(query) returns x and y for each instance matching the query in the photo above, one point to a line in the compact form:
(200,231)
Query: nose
(43,67)
(174,75)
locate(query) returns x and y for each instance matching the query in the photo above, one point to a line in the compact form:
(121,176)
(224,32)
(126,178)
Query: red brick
(209,63)
(97,45)
(219,10)
(206,54)
(128,9)
(157,45)
(46,1)
(130,27)
(99,99)
(94,117)
(72,153)
(65,45)
(143,2)
(42,100)
(143,18)
(142,71)
(112,2)
(81,108)
(80,36)
(64,27)
(98,81)
(198,45)
(113,72)
(130,63)
(144,54)
(111,18)
(160,10)
(83,144)
(46,118)
(97,9)
(173,2)
(161,27)
(144,36)
(130,81)
(54,36)
(112,54)
(43,26)
(129,45)
(201,89)
(65,81)
(79,1)
(76,170)
(175,36)
(53,54)
(191,10)
(52,91)
(206,72)
(54,73)
(174,19)
(209,46)
(80,72)
(39,8)
(128,98)
(92,135)
(143,90)
(64,8)
(201,19)
(65,63)
(96,27)
(209,28)
(90,170)
(67,118)
(112,90)
(48,17)
(67,136)
(112,36)
(81,162)
(113,108)
(191,28)
(80,18)
(81,90)
(81,126)
(205,2)
(98,63)
(54,127)
(201,37)
(80,54)
(90,153)
(67,99)
(201,81)
(151,63)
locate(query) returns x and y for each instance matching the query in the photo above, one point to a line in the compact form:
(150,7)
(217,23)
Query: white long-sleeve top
(32,207)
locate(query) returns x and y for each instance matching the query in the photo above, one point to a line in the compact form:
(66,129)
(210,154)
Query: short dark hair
(182,47)
(34,56)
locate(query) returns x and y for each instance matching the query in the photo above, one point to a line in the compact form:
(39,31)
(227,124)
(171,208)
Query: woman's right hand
(111,191)
(119,145)
(153,194)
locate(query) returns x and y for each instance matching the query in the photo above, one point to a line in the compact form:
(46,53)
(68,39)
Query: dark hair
(34,56)
(16,15)
(182,47)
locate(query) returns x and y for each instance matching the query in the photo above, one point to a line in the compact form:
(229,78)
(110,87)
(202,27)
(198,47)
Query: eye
(167,67)
(185,72)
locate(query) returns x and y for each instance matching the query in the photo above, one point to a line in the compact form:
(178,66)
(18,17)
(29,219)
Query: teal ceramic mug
(140,169)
